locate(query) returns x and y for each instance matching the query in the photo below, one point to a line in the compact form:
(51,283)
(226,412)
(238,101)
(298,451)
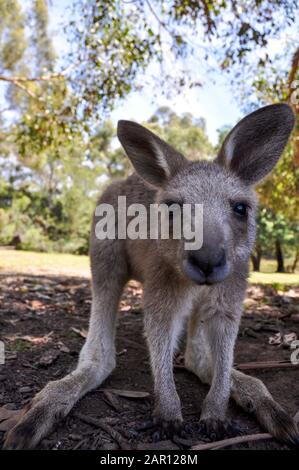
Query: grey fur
(171,297)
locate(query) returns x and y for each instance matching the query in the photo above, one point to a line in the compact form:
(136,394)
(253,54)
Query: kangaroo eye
(169,202)
(240,209)
(172,210)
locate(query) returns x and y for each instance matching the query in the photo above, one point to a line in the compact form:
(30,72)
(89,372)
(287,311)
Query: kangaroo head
(224,187)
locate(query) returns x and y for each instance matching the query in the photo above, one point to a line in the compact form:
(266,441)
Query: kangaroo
(205,286)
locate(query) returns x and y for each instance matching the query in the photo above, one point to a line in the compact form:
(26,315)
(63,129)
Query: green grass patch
(29,262)
(269,276)
(278,280)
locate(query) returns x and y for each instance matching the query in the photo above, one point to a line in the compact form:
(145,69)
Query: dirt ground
(43,321)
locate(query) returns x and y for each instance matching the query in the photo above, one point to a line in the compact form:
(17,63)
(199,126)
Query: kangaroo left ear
(153,159)
(254,145)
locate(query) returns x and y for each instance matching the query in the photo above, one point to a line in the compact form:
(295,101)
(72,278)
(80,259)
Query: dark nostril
(222,260)
(199,263)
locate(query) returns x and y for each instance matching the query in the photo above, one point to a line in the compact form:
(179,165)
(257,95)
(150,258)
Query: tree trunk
(279,257)
(294,265)
(256,259)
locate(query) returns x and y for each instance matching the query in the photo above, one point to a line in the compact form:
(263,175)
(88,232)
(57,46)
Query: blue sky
(213,101)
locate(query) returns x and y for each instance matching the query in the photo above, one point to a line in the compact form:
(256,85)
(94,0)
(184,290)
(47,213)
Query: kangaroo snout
(207,265)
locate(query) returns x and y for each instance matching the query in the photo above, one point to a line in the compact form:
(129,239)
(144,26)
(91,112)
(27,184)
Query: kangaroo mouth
(197,275)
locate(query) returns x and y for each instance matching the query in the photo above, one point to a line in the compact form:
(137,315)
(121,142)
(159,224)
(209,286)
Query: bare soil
(43,321)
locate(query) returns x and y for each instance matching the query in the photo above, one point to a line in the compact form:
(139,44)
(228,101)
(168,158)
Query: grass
(275,279)
(269,276)
(28,262)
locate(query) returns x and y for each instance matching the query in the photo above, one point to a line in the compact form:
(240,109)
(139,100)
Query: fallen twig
(111,400)
(237,440)
(231,441)
(267,365)
(257,365)
(135,344)
(99,423)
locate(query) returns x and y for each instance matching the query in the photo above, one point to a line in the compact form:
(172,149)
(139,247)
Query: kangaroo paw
(163,429)
(216,429)
(38,419)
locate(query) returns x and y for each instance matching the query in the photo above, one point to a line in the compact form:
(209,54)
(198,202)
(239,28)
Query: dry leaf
(276,339)
(285,340)
(289,338)
(125,308)
(82,333)
(126,393)
(36,304)
(32,339)
(62,347)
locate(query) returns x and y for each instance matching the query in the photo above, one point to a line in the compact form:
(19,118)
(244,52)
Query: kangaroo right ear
(254,145)
(153,159)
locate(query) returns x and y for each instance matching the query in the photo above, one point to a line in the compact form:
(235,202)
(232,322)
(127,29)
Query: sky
(213,101)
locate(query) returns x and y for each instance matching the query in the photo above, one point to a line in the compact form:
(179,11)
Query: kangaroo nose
(206,262)
(206,266)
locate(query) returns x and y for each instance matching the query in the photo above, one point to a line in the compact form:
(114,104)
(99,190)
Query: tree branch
(42,78)
(16,82)
(293,71)
(161,23)
(294,105)
(231,441)
(19,81)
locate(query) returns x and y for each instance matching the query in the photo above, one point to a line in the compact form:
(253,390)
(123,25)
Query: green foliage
(186,133)
(44,56)
(280,191)
(273,226)
(12,35)
(117,41)
(114,44)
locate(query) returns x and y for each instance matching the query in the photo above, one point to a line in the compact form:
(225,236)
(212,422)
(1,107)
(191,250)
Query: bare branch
(294,68)
(19,81)
(19,85)
(161,23)
(231,441)
(267,365)
(42,78)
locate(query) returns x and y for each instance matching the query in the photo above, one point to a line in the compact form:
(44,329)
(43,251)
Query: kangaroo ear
(254,145)
(153,159)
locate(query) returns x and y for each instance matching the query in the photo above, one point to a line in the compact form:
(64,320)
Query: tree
(115,42)
(45,194)
(186,133)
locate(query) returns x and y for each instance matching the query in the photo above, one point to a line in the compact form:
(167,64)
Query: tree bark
(279,257)
(256,259)
(294,104)
(294,265)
